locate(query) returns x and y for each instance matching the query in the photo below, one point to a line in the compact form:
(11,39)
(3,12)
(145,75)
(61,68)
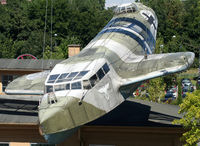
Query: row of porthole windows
(87,84)
(126,9)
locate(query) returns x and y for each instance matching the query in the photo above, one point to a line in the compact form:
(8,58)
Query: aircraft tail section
(133,26)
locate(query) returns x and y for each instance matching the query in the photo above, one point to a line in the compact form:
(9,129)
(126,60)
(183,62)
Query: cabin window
(123,9)
(100,74)
(76,85)
(80,75)
(52,78)
(129,9)
(67,86)
(93,80)
(126,9)
(49,89)
(86,84)
(59,87)
(71,76)
(106,68)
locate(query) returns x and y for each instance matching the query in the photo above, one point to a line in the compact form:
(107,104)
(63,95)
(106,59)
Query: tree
(156,89)
(190,108)
(22,22)
(160,47)
(68,41)
(179,98)
(56,54)
(7,49)
(170,16)
(192,27)
(170,80)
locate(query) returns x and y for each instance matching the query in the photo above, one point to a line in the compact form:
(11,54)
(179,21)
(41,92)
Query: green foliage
(153,90)
(195,63)
(156,89)
(56,54)
(160,48)
(197,86)
(6,47)
(180,19)
(68,41)
(190,108)
(170,80)
(22,24)
(170,15)
(179,98)
(192,25)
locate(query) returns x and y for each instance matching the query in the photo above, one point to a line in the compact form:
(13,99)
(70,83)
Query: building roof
(135,112)
(28,64)
(19,109)
(23,109)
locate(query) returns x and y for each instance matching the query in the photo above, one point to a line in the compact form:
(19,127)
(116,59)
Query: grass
(191,73)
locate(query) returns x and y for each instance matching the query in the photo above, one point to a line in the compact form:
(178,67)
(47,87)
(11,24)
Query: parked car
(169,94)
(186,82)
(198,81)
(184,91)
(187,89)
(173,90)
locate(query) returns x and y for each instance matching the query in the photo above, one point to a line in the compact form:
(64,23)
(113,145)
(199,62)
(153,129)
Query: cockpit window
(67,86)
(59,87)
(100,74)
(49,89)
(80,75)
(106,68)
(62,77)
(52,78)
(71,76)
(93,80)
(87,84)
(76,85)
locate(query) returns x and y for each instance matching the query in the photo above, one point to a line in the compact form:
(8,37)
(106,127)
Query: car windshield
(169,92)
(186,81)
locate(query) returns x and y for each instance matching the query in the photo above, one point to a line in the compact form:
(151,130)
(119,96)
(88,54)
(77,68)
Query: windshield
(65,77)
(71,77)
(52,78)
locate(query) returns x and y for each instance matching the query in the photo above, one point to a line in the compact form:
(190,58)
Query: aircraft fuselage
(86,86)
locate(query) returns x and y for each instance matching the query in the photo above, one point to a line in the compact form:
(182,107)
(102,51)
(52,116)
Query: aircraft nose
(66,114)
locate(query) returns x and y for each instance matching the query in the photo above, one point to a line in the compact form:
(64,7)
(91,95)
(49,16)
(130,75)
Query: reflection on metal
(107,71)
